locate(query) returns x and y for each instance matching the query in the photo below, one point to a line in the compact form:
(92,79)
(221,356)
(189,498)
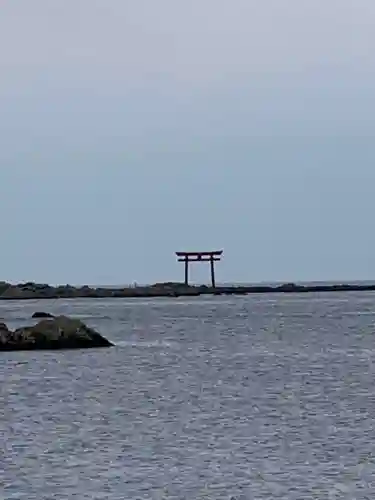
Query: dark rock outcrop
(3,329)
(3,287)
(41,314)
(57,333)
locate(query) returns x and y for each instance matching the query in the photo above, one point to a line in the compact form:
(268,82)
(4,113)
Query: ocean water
(259,397)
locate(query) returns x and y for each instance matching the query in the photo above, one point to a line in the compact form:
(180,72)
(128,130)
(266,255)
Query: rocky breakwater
(54,333)
(24,291)
(31,290)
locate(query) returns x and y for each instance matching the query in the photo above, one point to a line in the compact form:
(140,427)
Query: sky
(130,129)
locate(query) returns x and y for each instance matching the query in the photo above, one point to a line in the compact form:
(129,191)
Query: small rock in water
(57,333)
(41,314)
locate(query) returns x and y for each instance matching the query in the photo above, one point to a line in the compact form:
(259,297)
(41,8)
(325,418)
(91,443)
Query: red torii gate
(200,257)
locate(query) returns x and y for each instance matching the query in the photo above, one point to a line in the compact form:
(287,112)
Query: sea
(233,398)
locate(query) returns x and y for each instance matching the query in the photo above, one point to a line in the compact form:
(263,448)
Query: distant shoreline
(29,291)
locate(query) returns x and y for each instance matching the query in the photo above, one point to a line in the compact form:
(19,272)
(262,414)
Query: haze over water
(261,397)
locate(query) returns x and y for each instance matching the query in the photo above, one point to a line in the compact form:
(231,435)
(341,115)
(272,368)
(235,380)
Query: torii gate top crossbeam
(206,254)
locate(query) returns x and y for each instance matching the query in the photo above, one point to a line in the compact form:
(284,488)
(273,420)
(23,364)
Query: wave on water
(144,343)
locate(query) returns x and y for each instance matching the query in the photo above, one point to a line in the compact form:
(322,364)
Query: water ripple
(243,398)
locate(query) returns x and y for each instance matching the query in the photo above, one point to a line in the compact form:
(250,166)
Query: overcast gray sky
(132,129)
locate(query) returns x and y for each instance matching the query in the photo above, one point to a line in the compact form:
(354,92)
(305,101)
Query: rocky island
(30,290)
(54,333)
